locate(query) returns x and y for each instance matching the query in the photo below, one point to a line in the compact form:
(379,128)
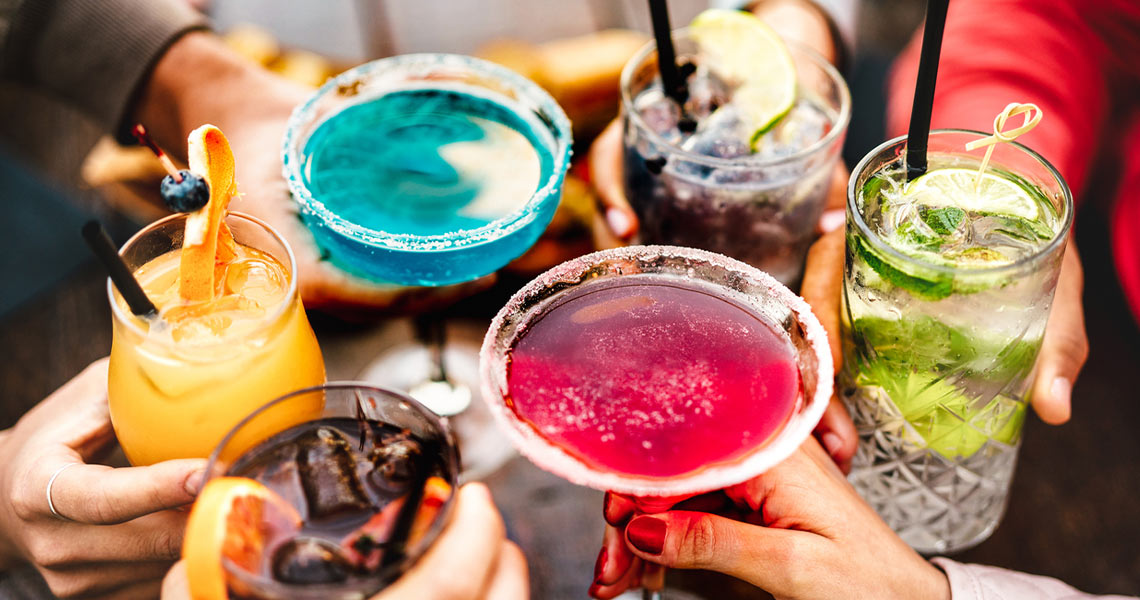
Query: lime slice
(955,187)
(746,52)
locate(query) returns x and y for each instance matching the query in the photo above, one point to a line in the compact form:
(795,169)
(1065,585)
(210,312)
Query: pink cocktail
(656,371)
(652,378)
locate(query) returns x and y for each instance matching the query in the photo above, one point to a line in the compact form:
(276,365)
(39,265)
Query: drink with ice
(346,501)
(948,283)
(743,165)
(427,169)
(178,383)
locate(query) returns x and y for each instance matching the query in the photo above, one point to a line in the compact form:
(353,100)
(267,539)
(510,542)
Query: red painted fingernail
(606,509)
(599,565)
(647,534)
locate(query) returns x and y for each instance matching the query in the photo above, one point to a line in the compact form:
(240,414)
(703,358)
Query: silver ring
(51,481)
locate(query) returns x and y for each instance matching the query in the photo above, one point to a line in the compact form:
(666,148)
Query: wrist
(200,80)
(9,554)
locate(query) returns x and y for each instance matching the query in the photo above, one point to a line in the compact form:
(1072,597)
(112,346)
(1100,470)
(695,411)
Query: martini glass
(656,372)
(429,170)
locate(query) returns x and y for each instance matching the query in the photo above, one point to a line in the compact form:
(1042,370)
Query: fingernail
(620,223)
(647,534)
(832,442)
(606,510)
(832,219)
(1062,392)
(193,483)
(599,565)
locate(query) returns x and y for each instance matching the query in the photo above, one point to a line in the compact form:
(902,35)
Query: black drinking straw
(121,276)
(671,80)
(396,547)
(919,131)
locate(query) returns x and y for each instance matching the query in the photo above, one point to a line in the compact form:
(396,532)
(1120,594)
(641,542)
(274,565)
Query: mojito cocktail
(743,166)
(948,283)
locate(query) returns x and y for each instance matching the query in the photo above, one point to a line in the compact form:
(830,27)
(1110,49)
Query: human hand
(116,536)
(799,531)
(471,560)
(199,80)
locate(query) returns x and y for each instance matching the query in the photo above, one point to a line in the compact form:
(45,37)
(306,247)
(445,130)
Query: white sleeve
(979,582)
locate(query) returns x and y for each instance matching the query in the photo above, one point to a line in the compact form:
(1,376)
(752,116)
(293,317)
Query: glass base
(407,368)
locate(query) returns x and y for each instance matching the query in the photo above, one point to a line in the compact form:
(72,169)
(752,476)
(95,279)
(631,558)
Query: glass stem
(431,330)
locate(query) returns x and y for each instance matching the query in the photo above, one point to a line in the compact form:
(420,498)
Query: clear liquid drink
(948,283)
(700,179)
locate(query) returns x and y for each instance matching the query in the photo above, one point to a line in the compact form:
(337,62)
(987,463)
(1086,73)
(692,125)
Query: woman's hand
(199,80)
(115,536)
(799,531)
(471,560)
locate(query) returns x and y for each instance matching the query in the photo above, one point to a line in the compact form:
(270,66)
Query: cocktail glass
(939,351)
(705,190)
(175,391)
(254,449)
(570,435)
(386,205)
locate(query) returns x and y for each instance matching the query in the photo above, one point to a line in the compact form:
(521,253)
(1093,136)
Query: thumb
(606,176)
(1065,346)
(175,586)
(759,555)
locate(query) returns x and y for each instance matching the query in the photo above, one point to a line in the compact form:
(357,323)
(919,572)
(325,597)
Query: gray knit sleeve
(92,54)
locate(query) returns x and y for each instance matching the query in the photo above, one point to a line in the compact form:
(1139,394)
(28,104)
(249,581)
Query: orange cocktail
(230,335)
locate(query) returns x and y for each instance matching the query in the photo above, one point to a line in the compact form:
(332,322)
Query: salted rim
(554,459)
(838,127)
(410,557)
(881,245)
(131,321)
(560,152)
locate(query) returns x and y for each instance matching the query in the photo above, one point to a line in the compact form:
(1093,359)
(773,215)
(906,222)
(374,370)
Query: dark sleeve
(92,54)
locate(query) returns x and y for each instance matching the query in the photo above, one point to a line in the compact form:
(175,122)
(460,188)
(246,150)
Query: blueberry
(187,195)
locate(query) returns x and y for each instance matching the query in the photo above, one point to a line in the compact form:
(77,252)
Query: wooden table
(1073,511)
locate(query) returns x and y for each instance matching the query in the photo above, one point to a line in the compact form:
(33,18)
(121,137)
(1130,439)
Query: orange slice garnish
(233,518)
(207,240)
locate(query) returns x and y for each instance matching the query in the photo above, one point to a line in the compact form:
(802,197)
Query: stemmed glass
(727,279)
(359,243)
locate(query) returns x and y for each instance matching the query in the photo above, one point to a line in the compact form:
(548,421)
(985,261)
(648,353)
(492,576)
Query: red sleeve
(999,51)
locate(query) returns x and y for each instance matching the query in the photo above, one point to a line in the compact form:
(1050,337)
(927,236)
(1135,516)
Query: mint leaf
(943,221)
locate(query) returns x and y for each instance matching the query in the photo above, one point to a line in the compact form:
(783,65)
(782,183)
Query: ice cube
(707,93)
(278,470)
(660,113)
(724,134)
(327,466)
(308,560)
(394,462)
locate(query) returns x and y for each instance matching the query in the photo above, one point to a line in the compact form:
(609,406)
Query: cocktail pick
(671,81)
(1032,117)
(141,135)
(919,131)
(121,276)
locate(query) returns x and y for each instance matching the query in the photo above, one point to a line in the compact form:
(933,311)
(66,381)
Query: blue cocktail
(427,169)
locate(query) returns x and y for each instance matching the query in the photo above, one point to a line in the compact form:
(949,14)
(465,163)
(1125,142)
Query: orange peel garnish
(207,241)
(230,519)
